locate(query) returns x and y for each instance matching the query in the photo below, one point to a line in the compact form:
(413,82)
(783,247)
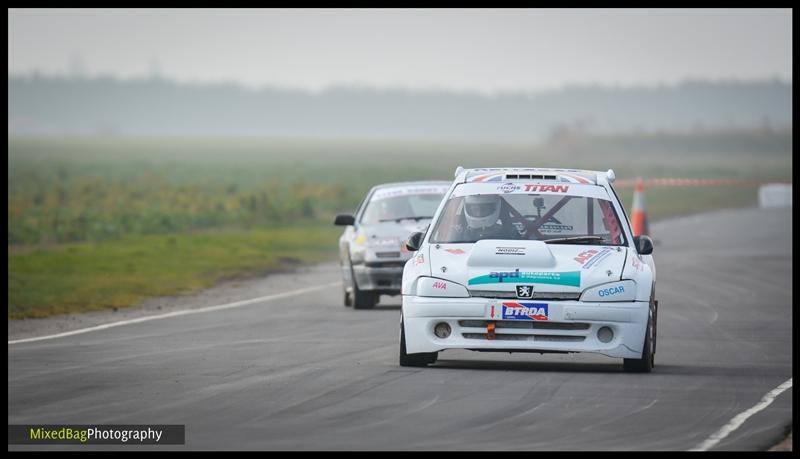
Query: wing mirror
(414,241)
(344,220)
(644,245)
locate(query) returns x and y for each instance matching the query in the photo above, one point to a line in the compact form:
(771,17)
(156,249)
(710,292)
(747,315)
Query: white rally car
(530,260)
(372,250)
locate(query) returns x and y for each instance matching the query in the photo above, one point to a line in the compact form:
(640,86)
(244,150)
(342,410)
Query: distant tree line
(156,106)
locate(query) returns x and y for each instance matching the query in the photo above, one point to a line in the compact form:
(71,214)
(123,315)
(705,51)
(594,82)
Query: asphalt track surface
(306,373)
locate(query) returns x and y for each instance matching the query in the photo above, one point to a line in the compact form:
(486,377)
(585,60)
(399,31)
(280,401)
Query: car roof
(503,174)
(415,183)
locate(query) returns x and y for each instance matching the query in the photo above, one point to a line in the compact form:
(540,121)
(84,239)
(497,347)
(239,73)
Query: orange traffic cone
(639,215)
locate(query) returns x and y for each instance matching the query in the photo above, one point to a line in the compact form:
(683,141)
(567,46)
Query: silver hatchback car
(372,249)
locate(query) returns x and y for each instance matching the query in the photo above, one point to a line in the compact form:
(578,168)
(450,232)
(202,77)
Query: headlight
(357,254)
(624,290)
(431,286)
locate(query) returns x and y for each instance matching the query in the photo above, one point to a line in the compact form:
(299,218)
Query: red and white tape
(692,182)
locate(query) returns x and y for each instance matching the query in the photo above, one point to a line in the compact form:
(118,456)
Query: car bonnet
(500,265)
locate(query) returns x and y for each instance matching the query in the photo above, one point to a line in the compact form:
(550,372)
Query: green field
(114,274)
(99,223)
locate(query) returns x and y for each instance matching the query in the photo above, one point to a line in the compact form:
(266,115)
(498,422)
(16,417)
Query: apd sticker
(570,278)
(513,310)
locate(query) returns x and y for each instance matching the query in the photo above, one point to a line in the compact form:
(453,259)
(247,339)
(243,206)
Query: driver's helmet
(481,211)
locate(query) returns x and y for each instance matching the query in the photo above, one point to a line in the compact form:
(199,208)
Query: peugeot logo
(525,291)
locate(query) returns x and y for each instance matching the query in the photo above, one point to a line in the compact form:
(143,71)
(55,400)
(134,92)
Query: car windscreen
(401,204)
(589,220)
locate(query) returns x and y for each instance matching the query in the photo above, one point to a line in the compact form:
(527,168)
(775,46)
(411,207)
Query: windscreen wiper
(574,239)
(402,218)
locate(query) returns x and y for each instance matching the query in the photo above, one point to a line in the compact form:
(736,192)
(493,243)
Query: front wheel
(362,299)
(421,359)
(647,362)
(359,299)
(348,301)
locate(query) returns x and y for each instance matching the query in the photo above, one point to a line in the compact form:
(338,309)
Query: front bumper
(572,326)
(386,280)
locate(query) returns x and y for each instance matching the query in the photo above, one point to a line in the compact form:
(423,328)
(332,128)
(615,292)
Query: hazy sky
(472,49)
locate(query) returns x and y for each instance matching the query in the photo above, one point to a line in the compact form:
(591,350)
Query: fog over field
(40,104)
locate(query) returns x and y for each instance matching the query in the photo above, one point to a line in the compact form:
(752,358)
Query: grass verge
(84,277)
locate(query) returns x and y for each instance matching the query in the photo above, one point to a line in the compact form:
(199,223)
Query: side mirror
(644,245)
(414,241)
(344,220)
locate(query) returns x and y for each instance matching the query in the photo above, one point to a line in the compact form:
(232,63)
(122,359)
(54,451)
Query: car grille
(525,324)
(527,330)
(552,296)
(387,254)
(526,337)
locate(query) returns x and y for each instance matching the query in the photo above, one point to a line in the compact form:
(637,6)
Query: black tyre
(348,301)
(359,299)
(647,362)
(422,359)
(362,299)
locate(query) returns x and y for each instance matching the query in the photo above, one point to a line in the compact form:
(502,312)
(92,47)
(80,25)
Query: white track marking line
(179,313)
(740,418)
